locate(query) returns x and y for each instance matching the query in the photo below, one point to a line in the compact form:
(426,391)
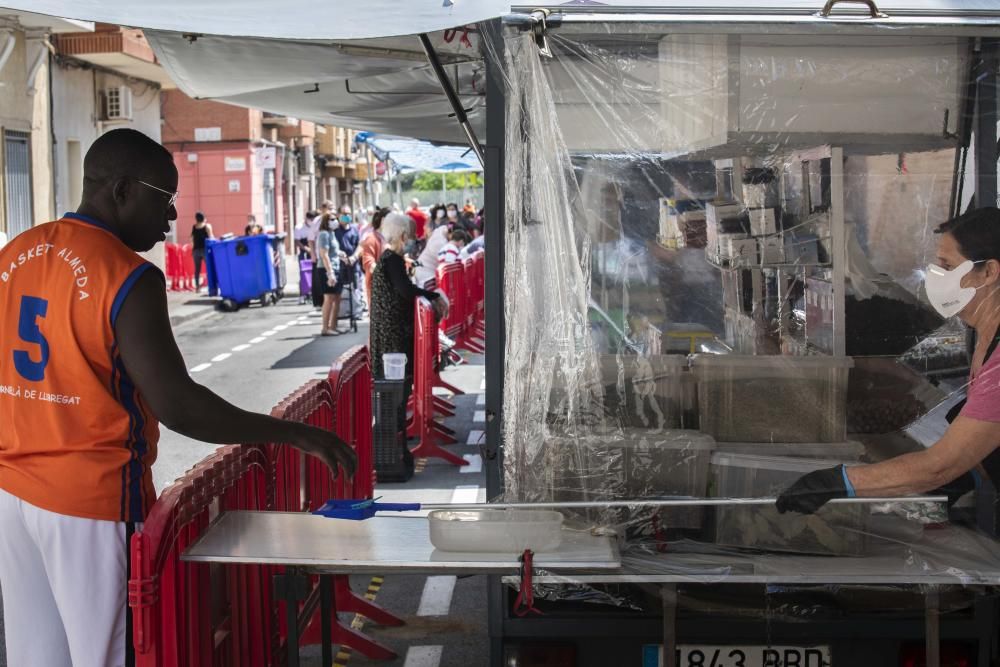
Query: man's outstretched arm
(157,368)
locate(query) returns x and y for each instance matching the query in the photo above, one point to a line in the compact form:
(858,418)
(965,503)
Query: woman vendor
(965,281)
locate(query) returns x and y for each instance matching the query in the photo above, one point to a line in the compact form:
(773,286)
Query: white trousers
(63,581)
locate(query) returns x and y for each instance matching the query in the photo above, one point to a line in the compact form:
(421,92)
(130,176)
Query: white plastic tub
(495,531)
(394,364)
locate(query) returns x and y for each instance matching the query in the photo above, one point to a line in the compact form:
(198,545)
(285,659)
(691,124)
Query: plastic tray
(837,530)
(495,531)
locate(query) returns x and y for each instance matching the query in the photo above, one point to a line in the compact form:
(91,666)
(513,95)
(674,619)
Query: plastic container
(242,269)
(837,451)
(632,464)
(772,398)
(394,364)
(495,531)
(637,391)
(835,530)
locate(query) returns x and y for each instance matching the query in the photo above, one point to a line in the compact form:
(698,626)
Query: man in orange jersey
(88,367)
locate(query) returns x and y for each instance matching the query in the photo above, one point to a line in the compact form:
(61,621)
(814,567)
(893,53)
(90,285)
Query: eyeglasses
(171,195)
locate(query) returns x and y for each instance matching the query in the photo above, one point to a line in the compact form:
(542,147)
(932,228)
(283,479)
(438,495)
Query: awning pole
(449,91)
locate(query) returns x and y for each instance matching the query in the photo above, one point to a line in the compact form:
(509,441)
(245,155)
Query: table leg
(325,613)
(669,594)
(932,623)
(292,587)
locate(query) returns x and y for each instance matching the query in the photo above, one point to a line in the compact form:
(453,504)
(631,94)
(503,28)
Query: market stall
(774,178)
(759,181)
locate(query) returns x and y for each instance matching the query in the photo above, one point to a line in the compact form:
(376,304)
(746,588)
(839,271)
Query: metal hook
(539,30)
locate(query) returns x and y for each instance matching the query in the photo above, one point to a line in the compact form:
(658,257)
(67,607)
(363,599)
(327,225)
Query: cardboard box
(763,222)
(739,249)
(772,250)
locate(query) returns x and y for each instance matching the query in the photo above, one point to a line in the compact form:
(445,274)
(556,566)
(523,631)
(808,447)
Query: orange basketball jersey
(76,438)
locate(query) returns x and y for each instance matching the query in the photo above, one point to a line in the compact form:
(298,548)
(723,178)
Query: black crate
(393,461)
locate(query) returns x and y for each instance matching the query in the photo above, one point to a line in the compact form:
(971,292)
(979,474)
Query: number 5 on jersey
(32,310)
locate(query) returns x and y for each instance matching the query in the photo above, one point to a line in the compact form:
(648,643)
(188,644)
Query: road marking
(482,385)
(423,656)
(436,598)
(292,323)
(200,367)
(258,339)
(240,348)
(479,417)
(465,495)
(481,400)
(222,357)
(475,438)
(281,327)
(269,333)
(475,463)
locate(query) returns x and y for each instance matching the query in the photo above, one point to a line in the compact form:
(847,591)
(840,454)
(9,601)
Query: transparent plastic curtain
(715,249)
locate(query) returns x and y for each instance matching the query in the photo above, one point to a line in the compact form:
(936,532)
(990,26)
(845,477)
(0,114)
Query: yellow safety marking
(358,622)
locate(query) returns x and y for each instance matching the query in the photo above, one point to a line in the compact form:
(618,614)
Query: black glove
(957,488)
(812,491)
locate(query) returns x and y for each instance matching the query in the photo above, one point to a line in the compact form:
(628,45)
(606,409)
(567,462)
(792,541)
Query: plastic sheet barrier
(726,270)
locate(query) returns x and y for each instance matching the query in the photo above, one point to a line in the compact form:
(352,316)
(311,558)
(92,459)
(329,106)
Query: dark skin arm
(154,363)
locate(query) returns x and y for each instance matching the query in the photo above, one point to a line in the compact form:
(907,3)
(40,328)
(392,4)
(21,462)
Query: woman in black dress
(394,296)
(199,233)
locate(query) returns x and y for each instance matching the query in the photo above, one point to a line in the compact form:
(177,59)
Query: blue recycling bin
(242,269)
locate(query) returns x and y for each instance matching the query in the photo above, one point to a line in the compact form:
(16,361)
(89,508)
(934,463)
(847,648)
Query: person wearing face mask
(965,281)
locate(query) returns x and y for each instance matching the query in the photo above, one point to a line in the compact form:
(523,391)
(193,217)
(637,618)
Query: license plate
(741,656)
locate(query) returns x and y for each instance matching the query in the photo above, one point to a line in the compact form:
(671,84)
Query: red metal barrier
(187,613)
(451,278)
(173,265)
(193,614)
(342,405)
(422,424)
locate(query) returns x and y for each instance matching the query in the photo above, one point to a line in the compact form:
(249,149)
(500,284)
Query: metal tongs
(360,509)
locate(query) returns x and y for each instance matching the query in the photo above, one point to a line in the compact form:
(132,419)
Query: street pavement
(256,357)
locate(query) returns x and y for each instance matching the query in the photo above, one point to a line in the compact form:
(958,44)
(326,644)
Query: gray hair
(395,226)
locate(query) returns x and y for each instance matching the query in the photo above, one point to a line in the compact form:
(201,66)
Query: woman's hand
(441,307)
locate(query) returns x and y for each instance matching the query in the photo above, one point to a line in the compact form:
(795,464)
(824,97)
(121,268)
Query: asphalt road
(256,357)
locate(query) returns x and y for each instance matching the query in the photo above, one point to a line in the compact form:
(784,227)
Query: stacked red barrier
(431,433)
(180,267)
(174,623)
(464,283)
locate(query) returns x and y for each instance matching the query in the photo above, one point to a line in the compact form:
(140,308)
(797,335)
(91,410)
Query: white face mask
(944,288)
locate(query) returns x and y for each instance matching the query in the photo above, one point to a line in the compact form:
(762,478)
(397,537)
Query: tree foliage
(429,181)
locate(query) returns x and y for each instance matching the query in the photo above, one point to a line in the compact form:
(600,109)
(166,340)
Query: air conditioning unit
(118,103)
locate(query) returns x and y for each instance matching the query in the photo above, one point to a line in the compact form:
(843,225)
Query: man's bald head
(123,153)
(128,183)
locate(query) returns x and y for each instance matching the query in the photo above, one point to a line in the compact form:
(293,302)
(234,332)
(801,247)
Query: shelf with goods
(760,296)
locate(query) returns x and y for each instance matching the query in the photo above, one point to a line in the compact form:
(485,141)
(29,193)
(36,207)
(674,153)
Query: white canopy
(359,64)
(288,19)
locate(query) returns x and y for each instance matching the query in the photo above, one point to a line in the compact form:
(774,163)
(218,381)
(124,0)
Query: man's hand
(327,447)
(813,490)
